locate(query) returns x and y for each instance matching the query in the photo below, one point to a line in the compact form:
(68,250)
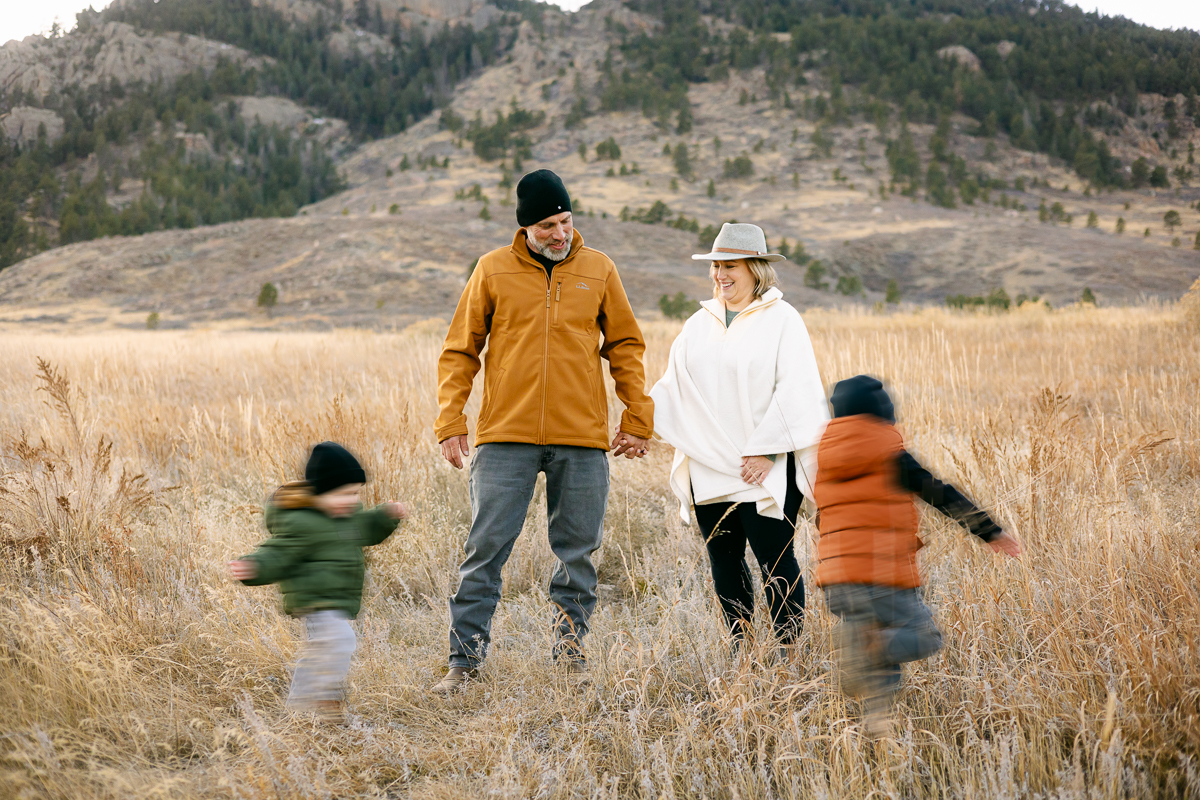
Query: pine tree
(683,163)
(268,296)
(892,293)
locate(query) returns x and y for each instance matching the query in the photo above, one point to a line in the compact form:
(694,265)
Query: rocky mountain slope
(397,244)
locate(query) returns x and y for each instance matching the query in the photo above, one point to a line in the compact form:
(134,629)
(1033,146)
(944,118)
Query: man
(541,306)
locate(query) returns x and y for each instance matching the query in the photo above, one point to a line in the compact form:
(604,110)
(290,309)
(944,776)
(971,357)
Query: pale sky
(21,18)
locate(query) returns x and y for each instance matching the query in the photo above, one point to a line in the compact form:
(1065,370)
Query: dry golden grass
(132,667)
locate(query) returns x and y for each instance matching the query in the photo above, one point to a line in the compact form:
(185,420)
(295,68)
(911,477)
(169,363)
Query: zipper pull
(558,292)
(547,297)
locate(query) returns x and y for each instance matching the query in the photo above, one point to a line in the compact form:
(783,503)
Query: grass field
(135,465)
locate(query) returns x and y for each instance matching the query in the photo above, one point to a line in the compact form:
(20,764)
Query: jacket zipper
(557,301)
(545,364)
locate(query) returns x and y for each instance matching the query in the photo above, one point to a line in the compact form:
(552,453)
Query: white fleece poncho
(751,389)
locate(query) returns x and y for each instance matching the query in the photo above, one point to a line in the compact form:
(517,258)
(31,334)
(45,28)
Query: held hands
(755,469)
(455,450)
(1006,543)
(629,445)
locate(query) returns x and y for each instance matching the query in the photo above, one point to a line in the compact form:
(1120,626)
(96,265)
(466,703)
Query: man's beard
(546,252)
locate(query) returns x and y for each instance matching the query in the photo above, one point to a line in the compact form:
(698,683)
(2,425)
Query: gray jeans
(503,475)
(325,659)
(903,624)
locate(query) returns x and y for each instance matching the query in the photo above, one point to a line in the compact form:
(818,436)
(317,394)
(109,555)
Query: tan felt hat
(739,240)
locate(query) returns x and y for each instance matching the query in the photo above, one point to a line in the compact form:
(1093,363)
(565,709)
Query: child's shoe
(332,712)
(859,657)
(877,717)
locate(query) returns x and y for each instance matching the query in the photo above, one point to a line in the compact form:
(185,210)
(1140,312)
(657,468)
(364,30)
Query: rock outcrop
(22,124)
(112,51)
(964,57)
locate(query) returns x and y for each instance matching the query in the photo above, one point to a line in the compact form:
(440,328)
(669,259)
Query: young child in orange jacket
(867,554)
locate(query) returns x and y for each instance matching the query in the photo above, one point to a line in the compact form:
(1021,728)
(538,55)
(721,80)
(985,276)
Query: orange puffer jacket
(543,382)
(868,521)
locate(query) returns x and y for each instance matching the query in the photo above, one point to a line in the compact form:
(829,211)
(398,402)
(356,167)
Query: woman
(743,405)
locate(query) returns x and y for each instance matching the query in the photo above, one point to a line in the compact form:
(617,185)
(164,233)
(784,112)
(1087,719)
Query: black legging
(771,541)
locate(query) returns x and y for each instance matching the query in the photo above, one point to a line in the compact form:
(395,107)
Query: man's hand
(1006,543)
(628,445)
(755,469)
(455,450)
(243,569)
(396,510)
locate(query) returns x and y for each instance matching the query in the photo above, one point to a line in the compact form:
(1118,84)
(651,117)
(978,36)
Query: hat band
(739,252)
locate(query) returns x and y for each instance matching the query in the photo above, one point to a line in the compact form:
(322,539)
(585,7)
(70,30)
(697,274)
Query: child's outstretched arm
(951,502)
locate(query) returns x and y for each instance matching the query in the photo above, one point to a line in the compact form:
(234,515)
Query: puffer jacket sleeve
(624,348)
(798,411)
(375,526)
(459,361)
(288,546)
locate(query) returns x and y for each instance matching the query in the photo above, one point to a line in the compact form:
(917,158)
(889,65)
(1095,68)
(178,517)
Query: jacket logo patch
(582,286)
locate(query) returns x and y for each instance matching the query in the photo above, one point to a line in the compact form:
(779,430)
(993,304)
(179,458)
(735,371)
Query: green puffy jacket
(317,560)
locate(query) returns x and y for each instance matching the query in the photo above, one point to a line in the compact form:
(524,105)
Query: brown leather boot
(455,680)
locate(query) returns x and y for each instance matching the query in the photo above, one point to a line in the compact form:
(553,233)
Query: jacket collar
(520,249)
(717,307)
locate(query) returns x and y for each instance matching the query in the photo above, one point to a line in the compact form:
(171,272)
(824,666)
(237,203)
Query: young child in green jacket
(318,530)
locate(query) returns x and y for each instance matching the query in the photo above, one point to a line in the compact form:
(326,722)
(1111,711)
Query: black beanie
(331,466)
(862,394)
(540,194)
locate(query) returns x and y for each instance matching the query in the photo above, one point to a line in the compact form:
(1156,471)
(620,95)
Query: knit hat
(332,466)
(862,394)
(540,194)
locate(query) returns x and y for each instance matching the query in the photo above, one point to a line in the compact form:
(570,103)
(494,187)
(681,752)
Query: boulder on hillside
(350,42)
(1005,47)
(476,13)
(22,123)
(272,111)
(964,57)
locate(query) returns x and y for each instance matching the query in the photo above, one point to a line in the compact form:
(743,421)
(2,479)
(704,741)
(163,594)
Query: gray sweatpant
(503,476)
(324,660)
(897,617)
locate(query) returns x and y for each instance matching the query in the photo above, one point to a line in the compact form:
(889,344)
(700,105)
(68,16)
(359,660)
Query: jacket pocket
(576,302)
(493,380)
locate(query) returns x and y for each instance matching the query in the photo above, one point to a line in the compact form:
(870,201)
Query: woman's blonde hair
(761,269)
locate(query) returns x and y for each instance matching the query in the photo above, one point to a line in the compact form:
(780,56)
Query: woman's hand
(628,445)
(755,469)
(243,569)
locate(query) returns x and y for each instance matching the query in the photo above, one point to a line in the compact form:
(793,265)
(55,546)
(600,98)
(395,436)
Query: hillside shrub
(268,296)
(677,307)
(892,292)
(608,150)
(740,167)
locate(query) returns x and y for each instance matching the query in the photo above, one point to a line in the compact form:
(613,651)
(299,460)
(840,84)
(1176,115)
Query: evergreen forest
(246,170)
(1063,81)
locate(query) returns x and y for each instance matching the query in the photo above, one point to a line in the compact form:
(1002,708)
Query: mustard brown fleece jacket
(543,382)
